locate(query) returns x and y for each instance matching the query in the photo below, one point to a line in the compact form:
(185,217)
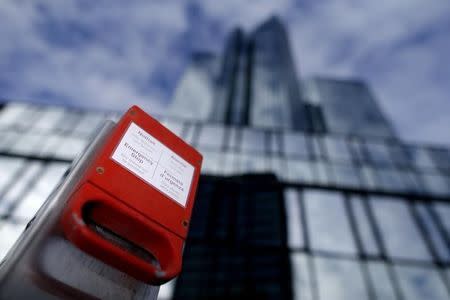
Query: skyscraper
(307,191)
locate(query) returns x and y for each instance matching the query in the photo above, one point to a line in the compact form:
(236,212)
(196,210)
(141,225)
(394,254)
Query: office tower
(307,191)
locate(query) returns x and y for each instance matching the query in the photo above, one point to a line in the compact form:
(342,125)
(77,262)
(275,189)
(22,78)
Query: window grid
(229,227)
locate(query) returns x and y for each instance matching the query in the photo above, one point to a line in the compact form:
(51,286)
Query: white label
(147,158)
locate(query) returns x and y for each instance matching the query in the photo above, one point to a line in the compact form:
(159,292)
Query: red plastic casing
(131,208)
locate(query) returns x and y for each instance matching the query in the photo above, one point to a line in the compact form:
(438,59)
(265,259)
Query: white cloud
(111,69)
(108,56)
(380,41)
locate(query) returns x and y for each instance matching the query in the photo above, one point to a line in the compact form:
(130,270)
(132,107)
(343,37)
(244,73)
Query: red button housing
(124,221)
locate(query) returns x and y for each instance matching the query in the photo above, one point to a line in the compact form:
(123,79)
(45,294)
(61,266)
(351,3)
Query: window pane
(232,138)
(316,146)
(10,233)
(349,107)
(345,175)
(7,139)
(399,155)
(433,232)
(48,119)
(212,162)
(37,194)
(8,169)
(70,147)
(381,282)
(29,144)
(293,215)
(252,141)
(274,142)
(390,180)
(211,137)
(322,172)
(370,180)
(16,191)
(12,113)
(420,157)
(18,116)
(364,227)
(358,150)
(89,124)
(175,126)
(249,163)
(337,149)
(411,181)
(399,231)
(339,279)
(443,211)
(299,171)
(277,166)
(50,144)
(69,121)
(301,279)
(421,283)
(328,224)
(436,184)
(189,133)
(294,144)
(441,157)
(379,153)
(231,165)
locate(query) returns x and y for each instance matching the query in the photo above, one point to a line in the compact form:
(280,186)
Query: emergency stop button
(132,207)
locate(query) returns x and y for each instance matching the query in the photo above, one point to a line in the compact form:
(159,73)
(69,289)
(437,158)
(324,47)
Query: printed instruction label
(146,157)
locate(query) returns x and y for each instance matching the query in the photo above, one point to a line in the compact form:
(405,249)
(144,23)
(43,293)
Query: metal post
(44,265)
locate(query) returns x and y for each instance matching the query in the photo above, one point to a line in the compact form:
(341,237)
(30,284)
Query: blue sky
(109,54)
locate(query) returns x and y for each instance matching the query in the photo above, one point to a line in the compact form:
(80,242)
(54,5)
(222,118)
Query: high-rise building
(307,191)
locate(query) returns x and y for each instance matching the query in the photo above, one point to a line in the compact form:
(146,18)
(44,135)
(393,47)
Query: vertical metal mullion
(382,247)
(282,153)
(423,231)
(439,225)
(303,220)
(226,139)
(420,224)
(34,116)
(366,277)
(373,164)
(313,277)
(31,184)
(441,231)
(75,122)
(185,129)
(308,251)
(71,132)
(196,134)
(14,179)
(374,227)
(355,161)
(353,225)
(326,159)
(394,279)
(358,241)
(311,156)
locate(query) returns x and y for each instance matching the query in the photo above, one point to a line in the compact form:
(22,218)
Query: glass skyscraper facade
(307,191)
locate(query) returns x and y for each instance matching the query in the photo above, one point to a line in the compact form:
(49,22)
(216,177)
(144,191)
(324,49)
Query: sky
(111,54)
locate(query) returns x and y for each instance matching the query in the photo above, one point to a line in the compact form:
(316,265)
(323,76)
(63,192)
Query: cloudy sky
(109,54)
